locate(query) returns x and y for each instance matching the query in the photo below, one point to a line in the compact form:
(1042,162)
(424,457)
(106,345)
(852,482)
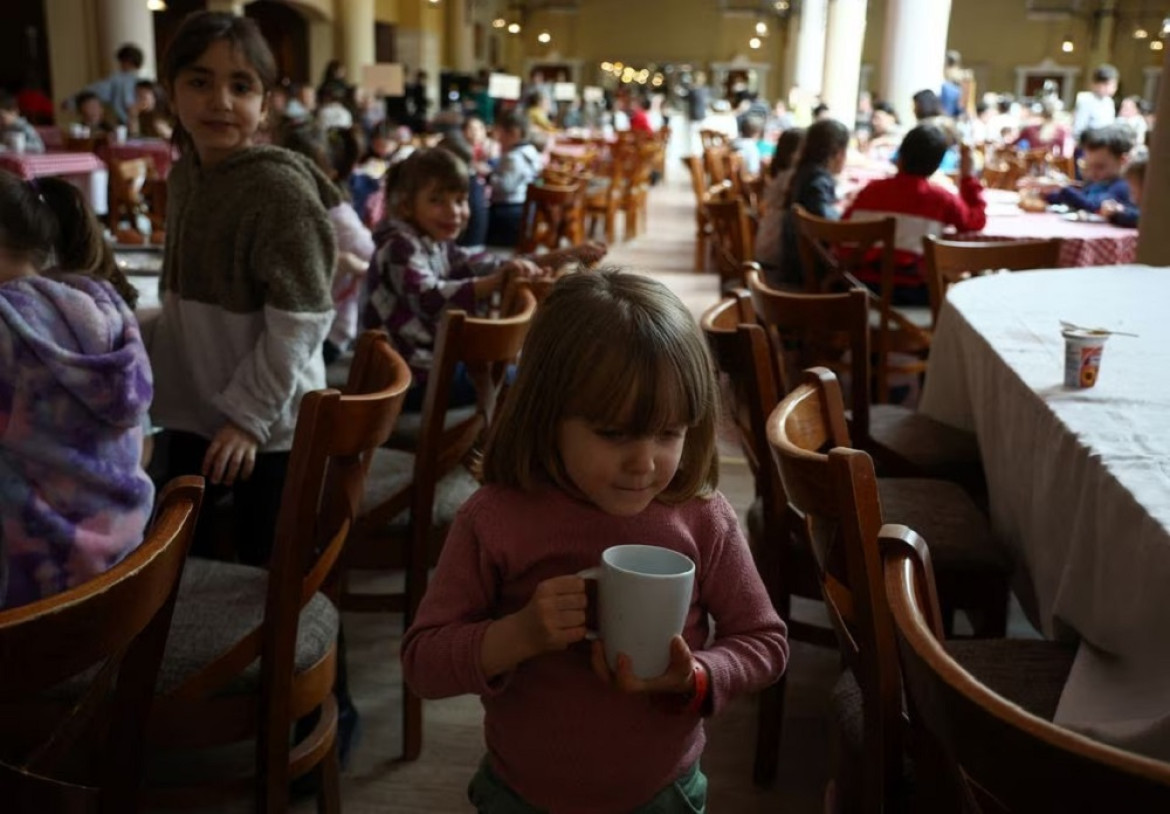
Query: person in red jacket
(920,208)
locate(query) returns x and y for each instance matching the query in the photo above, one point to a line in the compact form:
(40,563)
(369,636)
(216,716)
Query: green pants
(489,794)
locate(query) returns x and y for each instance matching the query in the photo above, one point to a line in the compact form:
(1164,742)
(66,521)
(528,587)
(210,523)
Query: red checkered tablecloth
(157,150)
(36,165)
(1082,243)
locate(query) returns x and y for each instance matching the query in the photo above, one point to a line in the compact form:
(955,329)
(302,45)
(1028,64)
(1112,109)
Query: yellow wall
(996,35)
(74,58)
(386,11)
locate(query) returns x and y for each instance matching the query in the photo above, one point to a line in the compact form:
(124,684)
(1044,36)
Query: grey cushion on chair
(927,444)
(958,535)
(393,469)
(409,425)
(220,603)
(1027,672)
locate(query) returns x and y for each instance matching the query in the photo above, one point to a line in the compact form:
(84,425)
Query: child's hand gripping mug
(643,596)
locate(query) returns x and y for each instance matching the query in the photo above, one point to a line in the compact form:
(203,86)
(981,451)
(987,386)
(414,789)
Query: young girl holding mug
(607,438)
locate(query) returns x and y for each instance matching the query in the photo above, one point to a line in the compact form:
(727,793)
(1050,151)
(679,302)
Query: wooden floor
(453,744)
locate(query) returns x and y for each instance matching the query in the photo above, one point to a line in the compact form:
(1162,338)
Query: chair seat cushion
(392,470)
(928,445)
(958,535)
(1028,672)
(220,603)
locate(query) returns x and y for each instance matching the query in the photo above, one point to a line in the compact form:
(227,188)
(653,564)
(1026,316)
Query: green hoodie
(245,294)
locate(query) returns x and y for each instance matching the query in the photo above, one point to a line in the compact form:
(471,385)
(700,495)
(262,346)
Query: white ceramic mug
(120,134)
(643,597)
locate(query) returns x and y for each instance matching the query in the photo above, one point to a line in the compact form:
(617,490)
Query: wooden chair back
(694,165)
(547,217)
(815,330)
(835,488)
(334,438)
(486,347)
(840,248)
(732,240)
(1005,758)
(117,625)
(127,183)
(949,261)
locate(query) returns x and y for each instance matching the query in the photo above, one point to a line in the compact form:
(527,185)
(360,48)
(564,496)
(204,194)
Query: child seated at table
(920,209)
(1105,151)
(74,498)
(13,126)
(91,114)
(419,271)
(1128,214)
(518,166)
(144,118)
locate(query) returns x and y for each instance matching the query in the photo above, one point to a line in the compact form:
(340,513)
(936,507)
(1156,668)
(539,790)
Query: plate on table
(139,259)
(1084,217)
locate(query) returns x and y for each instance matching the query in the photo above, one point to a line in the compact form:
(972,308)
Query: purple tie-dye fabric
(75,387)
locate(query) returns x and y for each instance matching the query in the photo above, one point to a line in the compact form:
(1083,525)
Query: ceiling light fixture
(499,22)
(513,28)
(762,28)
(156,5)
(544,37)
(1155,45)
(754,42)
(1067,45)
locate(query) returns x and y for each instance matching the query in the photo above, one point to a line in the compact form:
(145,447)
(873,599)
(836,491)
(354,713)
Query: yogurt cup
(1082,356)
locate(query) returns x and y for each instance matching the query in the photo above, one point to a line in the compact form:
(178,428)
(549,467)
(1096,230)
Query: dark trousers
(255,501)
(504,224)
(477,224)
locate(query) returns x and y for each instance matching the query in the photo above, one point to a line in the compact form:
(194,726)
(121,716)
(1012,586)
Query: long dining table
(1078,480)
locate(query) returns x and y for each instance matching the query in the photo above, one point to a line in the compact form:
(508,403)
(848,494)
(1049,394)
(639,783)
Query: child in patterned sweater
(419,270)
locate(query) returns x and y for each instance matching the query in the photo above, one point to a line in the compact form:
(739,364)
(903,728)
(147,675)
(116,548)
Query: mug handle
(591,574)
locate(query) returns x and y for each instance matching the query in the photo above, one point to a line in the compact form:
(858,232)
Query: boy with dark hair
(920,209)
(520,164)
(1105,150)
(91,113)
(1094,108)
(1128,214)
(117,89)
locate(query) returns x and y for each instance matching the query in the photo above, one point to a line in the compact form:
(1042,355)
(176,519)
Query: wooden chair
(780,547)
(836,490)
(411,499)
(839,248)
(547,217)
(1005,757)
(254,650)
(106,636)
(636,193)
(603,202)
(126,189)
(694,166)
(948,262)
(818,330)
(732,240)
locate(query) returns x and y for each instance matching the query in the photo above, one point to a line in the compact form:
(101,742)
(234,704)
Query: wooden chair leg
(610,226)
(329,777)
(769,721)
(411,725)
(700,252)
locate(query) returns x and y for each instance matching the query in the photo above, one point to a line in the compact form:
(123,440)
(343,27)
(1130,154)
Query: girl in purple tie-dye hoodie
(75,385)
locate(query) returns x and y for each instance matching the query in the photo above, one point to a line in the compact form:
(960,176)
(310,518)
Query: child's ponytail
(78,242)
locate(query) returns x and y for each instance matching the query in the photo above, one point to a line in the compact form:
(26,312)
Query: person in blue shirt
(950,95)
(117,90)
(1105,151)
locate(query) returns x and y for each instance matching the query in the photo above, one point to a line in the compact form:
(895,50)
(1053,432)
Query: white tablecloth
(1079,480)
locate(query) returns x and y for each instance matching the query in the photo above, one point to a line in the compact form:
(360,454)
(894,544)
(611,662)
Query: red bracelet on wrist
(698,700)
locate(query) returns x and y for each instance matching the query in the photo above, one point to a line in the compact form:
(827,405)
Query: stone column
(809,64)
(846,32)
(1153,236)
(122,22)
(913,51)
(1101,33)
(460,44)
(355,23)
